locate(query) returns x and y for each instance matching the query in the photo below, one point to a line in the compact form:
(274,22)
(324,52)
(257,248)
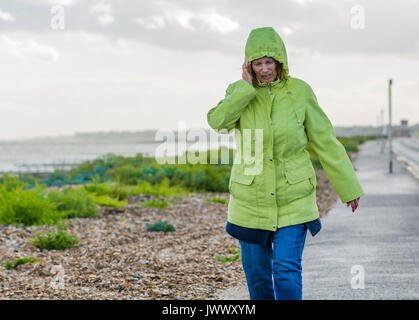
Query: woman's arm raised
(227,112)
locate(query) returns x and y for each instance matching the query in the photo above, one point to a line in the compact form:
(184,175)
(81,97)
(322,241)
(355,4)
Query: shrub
(30,180)
(12,264)
(108,201)
(57,240)
(11,182)
(74,203)
(28,207)
(129,175)
(162,189)
(161,226)
(100,188)
(111,189)
(57,178)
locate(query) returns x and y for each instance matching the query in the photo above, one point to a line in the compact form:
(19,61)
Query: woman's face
(265,69)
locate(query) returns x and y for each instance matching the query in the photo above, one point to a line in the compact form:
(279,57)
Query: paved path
(372,253)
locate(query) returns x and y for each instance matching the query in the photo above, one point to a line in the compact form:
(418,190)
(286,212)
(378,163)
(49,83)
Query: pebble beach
(118,258)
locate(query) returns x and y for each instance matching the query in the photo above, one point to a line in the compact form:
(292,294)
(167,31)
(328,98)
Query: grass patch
(156,203)
(122,192)
(110,189)
(108,201)
(12,264)
(74,203)
(56,240)
(162,189)
(230,250)
(160,226)
(217,200)
(228,259)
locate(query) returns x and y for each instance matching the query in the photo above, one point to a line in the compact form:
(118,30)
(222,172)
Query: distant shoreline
(147,136)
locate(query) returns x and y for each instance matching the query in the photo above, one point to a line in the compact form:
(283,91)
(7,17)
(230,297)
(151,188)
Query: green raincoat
(277,125)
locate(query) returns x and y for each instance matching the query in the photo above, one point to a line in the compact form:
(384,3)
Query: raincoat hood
(266,41)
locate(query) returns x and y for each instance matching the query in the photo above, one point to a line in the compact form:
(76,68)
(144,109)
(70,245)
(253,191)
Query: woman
(271,208)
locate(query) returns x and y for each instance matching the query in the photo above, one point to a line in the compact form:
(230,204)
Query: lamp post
(390,82)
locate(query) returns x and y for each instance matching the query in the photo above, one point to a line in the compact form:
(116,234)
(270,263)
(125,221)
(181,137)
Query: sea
(48,154)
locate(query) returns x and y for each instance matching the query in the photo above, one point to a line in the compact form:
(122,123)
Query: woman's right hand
(246,75)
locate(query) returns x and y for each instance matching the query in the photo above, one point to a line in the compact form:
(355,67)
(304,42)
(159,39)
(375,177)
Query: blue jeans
(282,263)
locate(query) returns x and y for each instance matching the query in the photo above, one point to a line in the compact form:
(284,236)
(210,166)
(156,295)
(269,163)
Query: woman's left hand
(353,203)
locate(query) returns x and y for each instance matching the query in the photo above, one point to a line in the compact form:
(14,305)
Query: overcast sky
(84,65)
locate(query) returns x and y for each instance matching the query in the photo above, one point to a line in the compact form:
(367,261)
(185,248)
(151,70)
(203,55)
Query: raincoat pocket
(240,185)
(301,187)
(301,179)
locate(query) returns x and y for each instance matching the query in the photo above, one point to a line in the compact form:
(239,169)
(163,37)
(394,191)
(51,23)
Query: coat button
(274,226)
(270,159)
(272,193)
(299,120)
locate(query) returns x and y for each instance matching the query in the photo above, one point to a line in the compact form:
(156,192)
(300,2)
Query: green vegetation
(73,203)
(156,203)
(122,192)
(120,176)
(217,200)
(56,240)
(28,207)
(161,226)
(111,180)
(228,259)
(37,206)
(108,201)
(12,264)
(230,250)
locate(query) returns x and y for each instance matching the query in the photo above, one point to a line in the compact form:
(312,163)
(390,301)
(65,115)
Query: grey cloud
(323,26)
